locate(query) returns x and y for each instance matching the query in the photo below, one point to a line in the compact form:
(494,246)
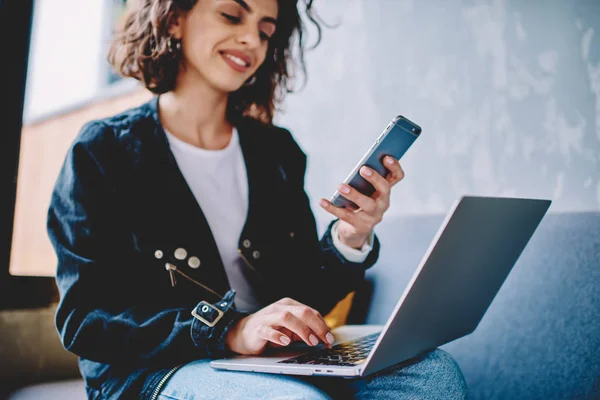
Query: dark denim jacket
(120,197)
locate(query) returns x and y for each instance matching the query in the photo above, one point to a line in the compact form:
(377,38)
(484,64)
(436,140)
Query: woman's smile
(237,60)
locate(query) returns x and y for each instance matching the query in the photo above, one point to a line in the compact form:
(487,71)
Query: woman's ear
(176,20)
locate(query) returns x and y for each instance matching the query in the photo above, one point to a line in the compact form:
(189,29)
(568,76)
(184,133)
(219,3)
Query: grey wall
(507,93)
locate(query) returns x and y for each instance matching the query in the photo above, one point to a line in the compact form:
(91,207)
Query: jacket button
(180,254)
(194,262)
(255,254)
(158,254)
(246,243)
(292,234)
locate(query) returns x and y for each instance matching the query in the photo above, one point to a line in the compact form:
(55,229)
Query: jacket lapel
(256,173)
(185,216)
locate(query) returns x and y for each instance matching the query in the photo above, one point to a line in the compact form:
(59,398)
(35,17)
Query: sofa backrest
(540,337)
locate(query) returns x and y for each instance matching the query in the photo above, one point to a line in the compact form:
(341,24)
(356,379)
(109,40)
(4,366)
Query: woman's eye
(237,20)
(231,18)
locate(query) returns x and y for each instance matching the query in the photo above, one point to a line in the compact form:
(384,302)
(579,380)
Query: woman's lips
(237,62)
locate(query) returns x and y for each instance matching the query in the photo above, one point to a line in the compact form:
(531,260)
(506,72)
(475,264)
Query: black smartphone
(395,140)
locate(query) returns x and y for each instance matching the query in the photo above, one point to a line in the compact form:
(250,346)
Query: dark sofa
(540,338)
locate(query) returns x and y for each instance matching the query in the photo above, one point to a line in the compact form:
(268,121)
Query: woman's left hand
(355,226)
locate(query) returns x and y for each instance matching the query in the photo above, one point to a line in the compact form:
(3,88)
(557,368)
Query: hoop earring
(250,81)
(174,45)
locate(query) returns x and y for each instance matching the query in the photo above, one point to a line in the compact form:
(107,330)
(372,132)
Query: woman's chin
(228,87)
(235,88)
(228,84)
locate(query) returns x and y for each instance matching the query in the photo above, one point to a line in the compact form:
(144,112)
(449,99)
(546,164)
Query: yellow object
(339,314)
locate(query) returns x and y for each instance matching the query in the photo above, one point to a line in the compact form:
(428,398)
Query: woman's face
(224,42)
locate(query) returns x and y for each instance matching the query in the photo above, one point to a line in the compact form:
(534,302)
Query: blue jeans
(432,376)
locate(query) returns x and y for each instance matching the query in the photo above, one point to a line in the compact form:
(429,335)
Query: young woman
(182,228)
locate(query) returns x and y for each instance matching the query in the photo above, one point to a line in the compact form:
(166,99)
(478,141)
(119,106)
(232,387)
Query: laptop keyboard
(343,354)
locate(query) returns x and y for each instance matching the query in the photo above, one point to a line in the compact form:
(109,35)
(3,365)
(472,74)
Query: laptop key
(352,353)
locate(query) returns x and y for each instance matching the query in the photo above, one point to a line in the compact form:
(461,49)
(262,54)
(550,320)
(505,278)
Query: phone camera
(416,130)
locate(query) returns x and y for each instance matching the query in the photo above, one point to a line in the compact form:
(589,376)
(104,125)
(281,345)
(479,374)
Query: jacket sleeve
(326,275)
(99,317)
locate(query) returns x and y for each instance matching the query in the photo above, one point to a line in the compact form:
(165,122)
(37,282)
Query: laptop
(463,269)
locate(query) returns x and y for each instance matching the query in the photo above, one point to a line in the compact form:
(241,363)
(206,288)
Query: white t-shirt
(219,182)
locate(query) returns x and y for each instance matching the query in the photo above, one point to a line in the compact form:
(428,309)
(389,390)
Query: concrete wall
(507,93)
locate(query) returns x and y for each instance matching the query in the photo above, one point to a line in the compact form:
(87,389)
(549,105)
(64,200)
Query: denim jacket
(120,202)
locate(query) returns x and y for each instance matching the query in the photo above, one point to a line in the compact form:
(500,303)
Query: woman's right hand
(286,318)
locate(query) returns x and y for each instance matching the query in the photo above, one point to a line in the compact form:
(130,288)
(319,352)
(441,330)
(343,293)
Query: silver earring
(174,45)
(250,81)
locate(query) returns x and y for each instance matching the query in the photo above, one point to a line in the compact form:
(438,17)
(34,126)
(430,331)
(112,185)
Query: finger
(365,203)
(342,213)
(318,324)
(382,185)
(273,335)
(287,319)
(396,172)
(288,333)
(314,322)
(352,217)
(294,338)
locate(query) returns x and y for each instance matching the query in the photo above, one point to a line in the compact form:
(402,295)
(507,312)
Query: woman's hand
(284,319)
(355,226)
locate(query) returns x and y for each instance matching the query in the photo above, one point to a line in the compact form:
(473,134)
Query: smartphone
(394,141)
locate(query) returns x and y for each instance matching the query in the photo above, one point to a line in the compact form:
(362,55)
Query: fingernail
(389,160)
(366,171)
(330,338)
(313,340)
(344,189)
(323,203)
(285,340)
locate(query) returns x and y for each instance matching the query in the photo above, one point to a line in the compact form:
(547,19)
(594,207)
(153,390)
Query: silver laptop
(467,262)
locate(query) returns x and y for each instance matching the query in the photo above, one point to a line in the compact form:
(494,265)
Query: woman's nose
(250,37)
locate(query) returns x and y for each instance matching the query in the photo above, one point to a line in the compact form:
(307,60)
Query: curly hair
(141,49)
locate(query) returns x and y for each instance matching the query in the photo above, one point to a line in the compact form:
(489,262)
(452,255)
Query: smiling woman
(162,38)
(179,238)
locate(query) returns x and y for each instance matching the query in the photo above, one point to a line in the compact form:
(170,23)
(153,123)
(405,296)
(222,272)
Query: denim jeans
(434,375)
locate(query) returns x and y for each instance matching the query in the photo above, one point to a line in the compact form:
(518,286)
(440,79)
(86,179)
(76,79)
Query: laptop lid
(462,271)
